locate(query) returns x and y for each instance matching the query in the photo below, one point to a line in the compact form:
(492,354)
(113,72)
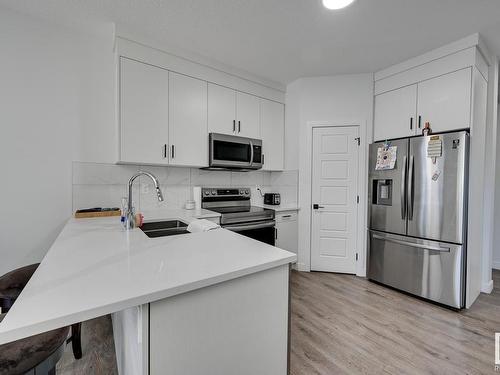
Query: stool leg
(76,340)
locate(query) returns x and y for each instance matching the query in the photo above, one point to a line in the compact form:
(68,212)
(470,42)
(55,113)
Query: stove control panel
(225,192)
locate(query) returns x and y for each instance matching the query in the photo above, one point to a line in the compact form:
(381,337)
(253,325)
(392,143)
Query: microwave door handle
(251,153)
(403,189)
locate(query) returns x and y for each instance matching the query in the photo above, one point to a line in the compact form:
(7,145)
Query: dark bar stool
(35,355)
(11,285)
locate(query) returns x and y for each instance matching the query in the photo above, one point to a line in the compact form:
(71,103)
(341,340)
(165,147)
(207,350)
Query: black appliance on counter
(273,199)
(238,215)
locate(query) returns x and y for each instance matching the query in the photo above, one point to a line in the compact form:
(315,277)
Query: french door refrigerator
(418,215)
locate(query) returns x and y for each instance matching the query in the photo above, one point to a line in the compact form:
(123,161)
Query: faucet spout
(130,211)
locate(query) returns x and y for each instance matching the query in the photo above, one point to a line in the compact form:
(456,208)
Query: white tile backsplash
(103,185)
(248,179)
(200,177)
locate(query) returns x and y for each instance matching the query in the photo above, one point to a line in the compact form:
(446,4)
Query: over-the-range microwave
(233,152)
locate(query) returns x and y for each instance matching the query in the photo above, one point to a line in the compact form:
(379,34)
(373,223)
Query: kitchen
(102,99)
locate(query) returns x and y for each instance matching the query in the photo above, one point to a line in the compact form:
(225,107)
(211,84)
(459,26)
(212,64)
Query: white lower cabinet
(188,133)
(287,231)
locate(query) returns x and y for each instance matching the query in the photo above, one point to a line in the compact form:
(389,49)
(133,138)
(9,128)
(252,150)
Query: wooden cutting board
(85,215)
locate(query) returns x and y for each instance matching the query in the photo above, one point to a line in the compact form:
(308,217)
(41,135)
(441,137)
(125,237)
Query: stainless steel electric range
(237,213)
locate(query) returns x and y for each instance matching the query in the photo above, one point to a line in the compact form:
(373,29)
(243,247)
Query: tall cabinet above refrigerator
(418,215)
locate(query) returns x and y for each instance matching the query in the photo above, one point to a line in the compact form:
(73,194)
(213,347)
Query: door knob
(316,206)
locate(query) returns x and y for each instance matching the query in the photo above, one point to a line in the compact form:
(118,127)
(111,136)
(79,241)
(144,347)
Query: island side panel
(236,327)
(130,331)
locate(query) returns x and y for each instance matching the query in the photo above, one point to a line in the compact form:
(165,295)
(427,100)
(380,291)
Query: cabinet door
(248,115)
(272,130)
(287,236)
(221,109)
(445,101)
(188,132)
(143,113)
(395,114)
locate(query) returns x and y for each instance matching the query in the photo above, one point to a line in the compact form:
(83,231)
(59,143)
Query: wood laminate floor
(343,324)
(98,351)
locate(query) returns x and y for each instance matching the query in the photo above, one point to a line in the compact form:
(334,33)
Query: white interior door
(334,191)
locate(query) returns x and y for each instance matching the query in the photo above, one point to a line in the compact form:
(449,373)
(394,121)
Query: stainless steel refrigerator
(418,215)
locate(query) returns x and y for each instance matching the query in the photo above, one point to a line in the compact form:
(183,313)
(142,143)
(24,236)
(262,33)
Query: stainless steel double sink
(164,228)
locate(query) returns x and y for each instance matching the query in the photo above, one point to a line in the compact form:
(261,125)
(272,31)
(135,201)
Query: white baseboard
(303,267)
(496,264)
(487,287)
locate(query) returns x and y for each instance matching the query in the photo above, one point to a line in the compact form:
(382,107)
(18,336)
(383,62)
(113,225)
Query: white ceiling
(282,40)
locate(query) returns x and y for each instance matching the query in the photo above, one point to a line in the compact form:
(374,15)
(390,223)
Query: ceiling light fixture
(336,4)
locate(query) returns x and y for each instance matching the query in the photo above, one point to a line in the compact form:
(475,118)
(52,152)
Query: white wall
(56,106)
(496,237)
(339,100)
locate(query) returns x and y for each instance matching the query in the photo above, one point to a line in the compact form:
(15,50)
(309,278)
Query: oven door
(263,231)
(229,151)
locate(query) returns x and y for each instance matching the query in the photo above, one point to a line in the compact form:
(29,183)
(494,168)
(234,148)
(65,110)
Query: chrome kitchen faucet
(130,214)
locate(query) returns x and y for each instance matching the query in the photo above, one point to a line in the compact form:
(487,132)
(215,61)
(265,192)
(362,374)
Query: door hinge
(357,199)
(356,257)
(358,139)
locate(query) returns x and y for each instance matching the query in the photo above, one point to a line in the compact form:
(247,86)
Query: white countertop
(281,207)
(95,267)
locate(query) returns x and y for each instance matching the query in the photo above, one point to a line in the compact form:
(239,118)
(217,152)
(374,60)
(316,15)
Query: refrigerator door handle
(403,189)
(412,244)
(410,190)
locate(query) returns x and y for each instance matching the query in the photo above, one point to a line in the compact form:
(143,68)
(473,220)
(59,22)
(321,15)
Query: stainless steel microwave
(233,152)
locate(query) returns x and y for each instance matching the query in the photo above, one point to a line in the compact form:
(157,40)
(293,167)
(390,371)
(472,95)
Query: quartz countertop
(96,267)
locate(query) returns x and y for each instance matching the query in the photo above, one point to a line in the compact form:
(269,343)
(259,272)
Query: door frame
(305,194)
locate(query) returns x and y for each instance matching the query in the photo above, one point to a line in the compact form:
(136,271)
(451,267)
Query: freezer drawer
(427,269)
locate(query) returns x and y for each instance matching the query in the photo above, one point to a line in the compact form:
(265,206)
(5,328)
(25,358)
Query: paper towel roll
(197,197)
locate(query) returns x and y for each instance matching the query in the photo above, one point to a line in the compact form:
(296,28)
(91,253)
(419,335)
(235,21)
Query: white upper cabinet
(221,109)
(395,113)
(188,132)
(143,113)
(233,112)
(247,115)
(445,101)
(272,130)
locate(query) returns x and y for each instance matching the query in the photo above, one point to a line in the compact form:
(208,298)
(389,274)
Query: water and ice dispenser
(382,192)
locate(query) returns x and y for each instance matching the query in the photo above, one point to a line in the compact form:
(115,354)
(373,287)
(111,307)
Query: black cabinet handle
(411,123)
(419,121)
(275,233)
(239,126)
(165,151)
(317,206)
(234,126)
(173,151)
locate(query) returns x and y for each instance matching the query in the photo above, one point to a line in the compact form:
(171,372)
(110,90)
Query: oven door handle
(241,228)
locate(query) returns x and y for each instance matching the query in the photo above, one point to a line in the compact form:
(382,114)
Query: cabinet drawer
(286,216)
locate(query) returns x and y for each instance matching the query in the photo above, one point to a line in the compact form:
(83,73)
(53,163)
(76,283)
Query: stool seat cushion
(21,356)
(13,282)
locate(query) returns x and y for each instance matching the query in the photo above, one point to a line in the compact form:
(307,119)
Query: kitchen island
(201,303)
